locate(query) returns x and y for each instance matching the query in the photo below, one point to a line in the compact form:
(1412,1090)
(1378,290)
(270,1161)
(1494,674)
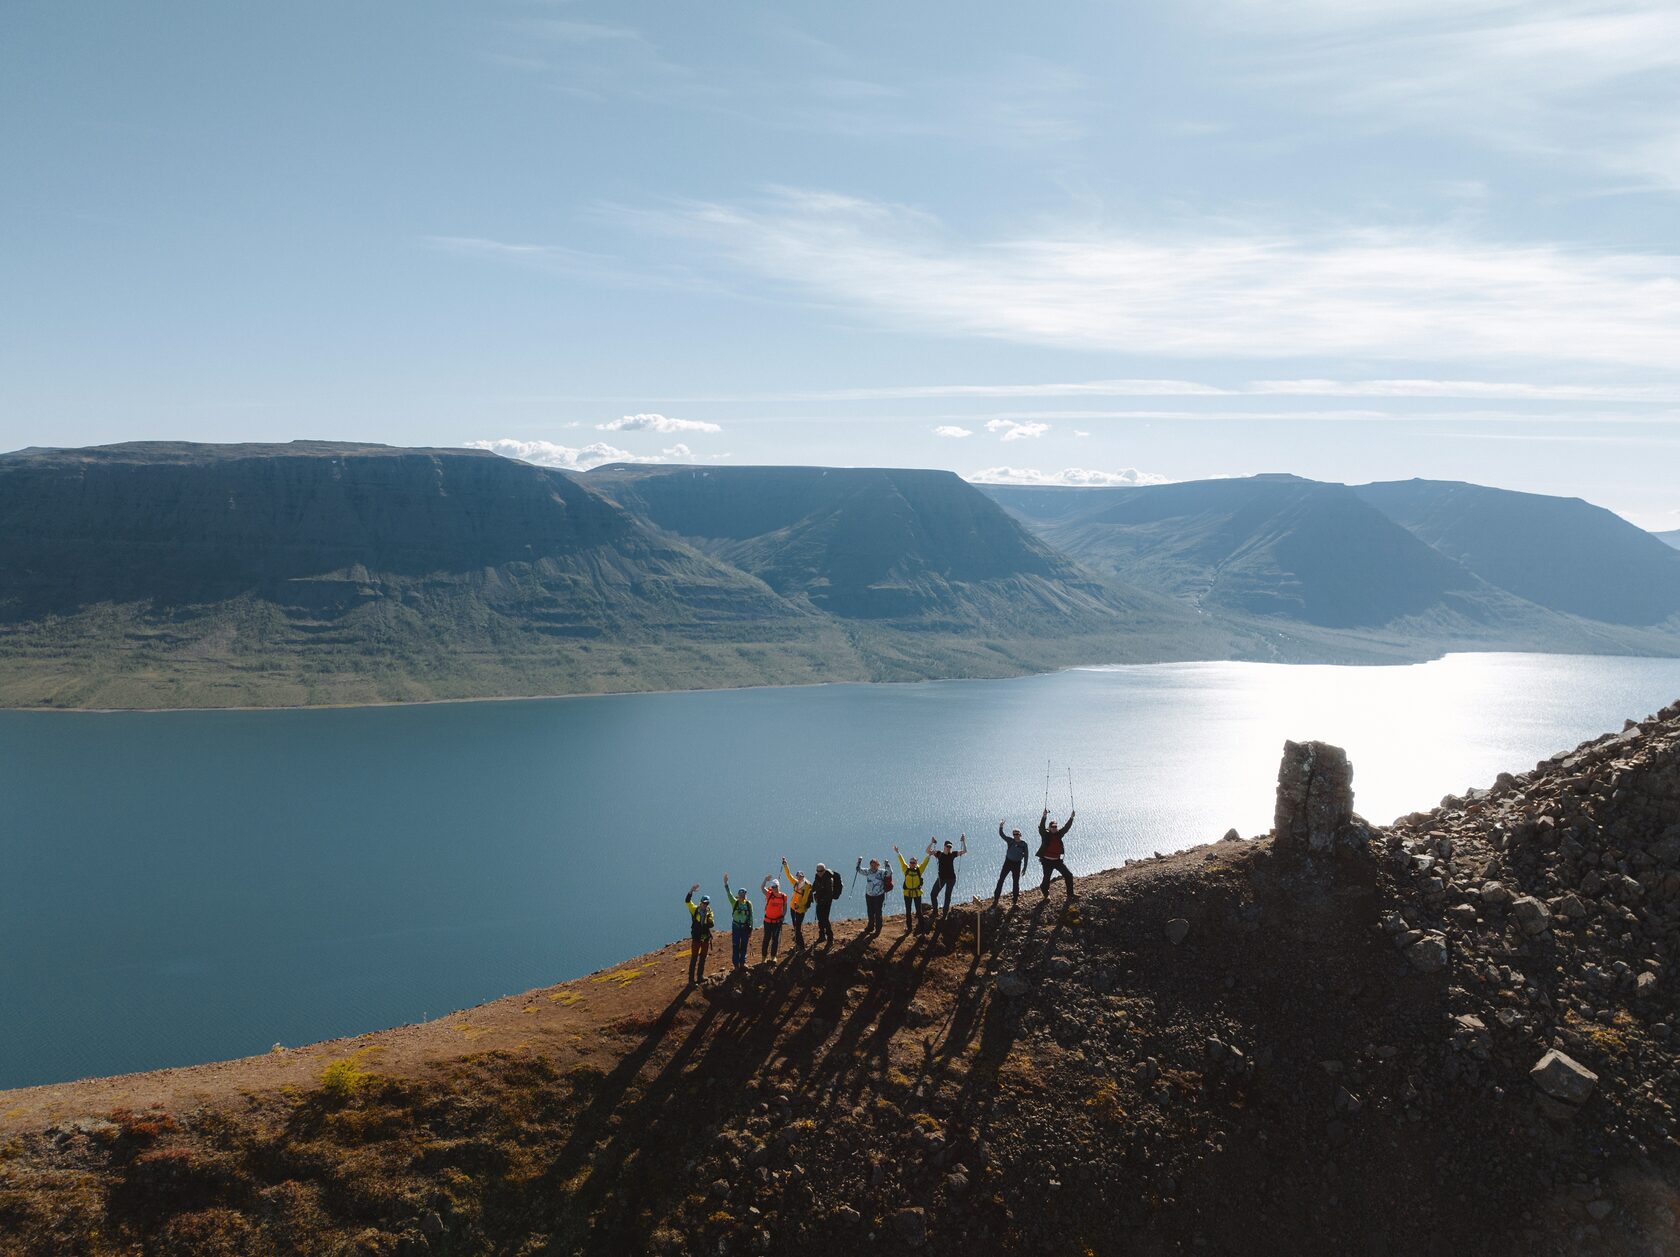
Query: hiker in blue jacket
(1014,864)
(874,892)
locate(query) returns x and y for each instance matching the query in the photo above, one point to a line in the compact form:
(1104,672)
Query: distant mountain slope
(1275,546)
(1559,553)
(328,525)
(875,544)
(1671,538)
(171,574)
(188,575)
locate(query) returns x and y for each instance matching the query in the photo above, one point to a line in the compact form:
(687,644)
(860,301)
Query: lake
(178,887)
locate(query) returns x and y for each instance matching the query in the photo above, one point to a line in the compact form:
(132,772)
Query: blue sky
(1353,239)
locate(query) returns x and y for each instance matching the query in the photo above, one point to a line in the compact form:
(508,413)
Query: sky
(1072,243)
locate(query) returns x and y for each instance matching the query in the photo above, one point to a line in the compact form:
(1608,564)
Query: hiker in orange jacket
(775,908)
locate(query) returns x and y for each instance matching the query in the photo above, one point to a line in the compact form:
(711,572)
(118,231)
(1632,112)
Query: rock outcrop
(1314,814)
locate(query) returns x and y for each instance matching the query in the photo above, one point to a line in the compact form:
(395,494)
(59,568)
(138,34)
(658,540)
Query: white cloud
(1387,294)
(951,430)
(657,423)
(1067,476)
(586,457)
(1079,434)
(1010,430)
(566,457)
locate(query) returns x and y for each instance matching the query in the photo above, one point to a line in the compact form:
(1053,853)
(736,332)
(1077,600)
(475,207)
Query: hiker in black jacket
(1014,864)
(825,889)
(1051,851)
(946,858)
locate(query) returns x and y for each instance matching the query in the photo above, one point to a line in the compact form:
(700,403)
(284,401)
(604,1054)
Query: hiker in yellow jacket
(912,888)
(799,902)
(701,922)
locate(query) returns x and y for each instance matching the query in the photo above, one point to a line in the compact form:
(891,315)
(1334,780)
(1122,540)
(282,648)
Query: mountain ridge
(168,574)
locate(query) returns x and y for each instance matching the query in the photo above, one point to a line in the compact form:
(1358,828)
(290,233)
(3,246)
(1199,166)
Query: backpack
(837,882)
(887,882)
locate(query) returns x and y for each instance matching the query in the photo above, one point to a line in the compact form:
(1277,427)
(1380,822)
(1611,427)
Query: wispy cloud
(1093,388)
(1011,430)
(1504,390)
(1374,294)
(1589,81)
(1314,415)
(657,423)
(953,431)
(1083,476)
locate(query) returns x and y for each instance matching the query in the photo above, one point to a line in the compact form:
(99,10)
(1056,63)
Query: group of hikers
(826,885)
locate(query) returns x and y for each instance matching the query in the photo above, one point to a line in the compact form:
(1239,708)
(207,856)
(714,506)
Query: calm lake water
(187,886)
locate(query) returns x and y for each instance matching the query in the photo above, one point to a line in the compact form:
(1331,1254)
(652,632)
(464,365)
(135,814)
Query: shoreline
(1434,657)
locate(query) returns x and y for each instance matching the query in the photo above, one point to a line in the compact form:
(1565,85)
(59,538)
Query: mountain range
(173,574)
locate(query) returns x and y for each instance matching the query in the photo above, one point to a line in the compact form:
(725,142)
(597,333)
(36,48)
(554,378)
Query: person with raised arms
(913,871)
(947,878)
(775,908)
(740,923)
(1051,851)
(700,921)
(799,901)
(1014,864)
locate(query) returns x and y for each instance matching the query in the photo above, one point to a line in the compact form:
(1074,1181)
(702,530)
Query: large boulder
(1314,814)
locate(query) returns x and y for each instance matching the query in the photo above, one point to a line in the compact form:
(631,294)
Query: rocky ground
(1454,1035)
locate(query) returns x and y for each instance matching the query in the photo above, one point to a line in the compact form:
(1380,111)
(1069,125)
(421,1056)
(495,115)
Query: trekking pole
(1046,785)
(1070,789)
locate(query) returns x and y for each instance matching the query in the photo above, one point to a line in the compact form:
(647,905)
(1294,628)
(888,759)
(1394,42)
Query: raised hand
(694,888)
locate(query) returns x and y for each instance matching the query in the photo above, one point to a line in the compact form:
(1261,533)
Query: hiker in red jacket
(1050,851)
(775,908)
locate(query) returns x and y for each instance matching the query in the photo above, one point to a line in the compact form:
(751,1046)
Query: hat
(705,899)
(774,884)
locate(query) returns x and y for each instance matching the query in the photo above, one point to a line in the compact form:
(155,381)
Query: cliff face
(173,525)
(1456,1035)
